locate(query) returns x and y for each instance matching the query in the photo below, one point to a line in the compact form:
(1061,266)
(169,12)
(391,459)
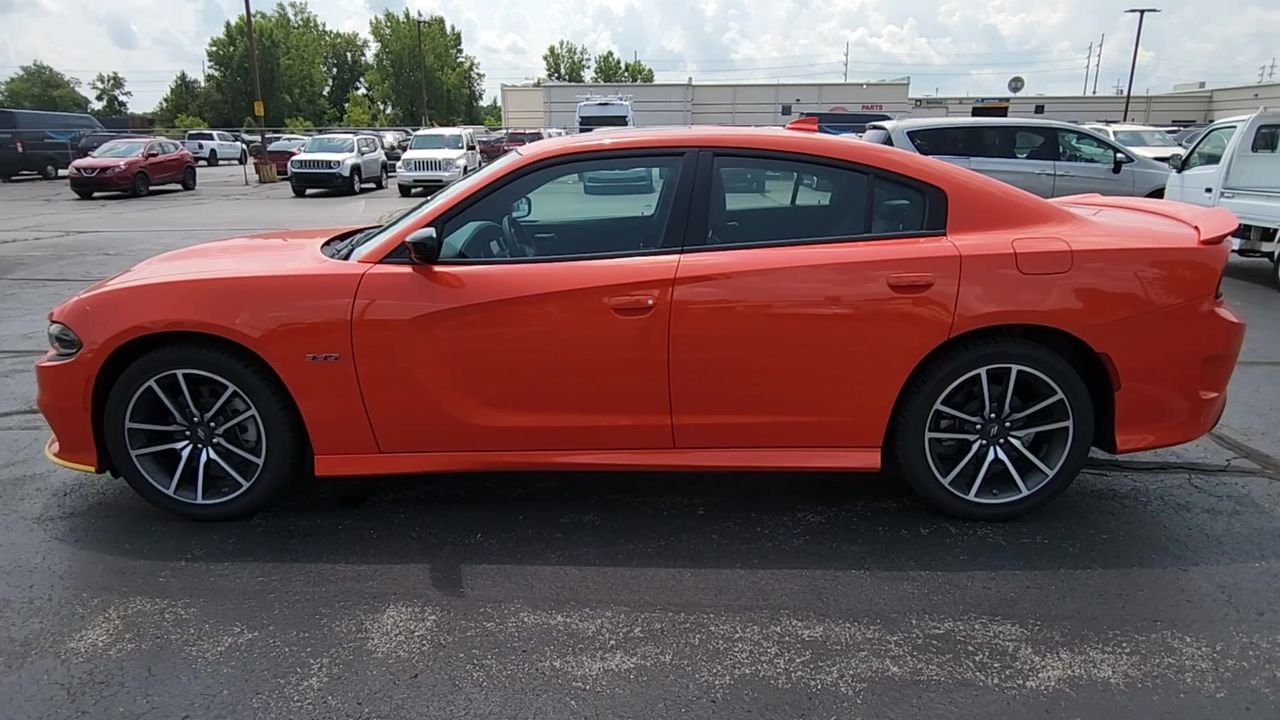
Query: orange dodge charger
(684,299)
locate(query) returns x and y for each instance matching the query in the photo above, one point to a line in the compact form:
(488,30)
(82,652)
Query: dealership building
(555,104)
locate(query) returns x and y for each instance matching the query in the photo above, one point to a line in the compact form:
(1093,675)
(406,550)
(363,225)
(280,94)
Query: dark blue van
(40,142)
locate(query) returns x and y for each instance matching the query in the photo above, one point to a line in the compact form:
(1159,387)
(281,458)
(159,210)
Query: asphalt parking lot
(1148,590)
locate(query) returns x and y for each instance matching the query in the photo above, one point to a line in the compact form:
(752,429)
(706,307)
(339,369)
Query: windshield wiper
(343,249)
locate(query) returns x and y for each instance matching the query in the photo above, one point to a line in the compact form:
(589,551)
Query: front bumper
(64,396)
(318,178)
(100,182)
(427,179)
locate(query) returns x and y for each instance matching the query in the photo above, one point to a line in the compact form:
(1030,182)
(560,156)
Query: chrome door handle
(1066,173)
(1044,172)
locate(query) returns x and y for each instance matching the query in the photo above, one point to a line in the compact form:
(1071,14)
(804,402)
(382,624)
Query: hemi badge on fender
(321,357)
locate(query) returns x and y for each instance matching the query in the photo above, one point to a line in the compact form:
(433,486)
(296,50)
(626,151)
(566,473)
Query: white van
(1235,164)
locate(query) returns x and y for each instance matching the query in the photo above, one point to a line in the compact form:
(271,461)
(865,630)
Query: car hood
(272,253)
(100,163)
(440,154)
(1156,152)
(323,156)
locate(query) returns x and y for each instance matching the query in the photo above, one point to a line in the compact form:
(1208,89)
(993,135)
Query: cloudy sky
(951,47)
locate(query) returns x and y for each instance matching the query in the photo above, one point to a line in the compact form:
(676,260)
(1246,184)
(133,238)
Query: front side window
(1081,148)
(1211,147)
(1034,143)
(579,209)
(769,201)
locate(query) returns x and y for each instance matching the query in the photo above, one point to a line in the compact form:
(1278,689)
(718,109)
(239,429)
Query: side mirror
(1175,162)
(1119,162)
(153,153)
(521,208)
(423,246)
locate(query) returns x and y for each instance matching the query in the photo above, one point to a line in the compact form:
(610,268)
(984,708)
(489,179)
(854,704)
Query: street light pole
(1142,13)
(258,110)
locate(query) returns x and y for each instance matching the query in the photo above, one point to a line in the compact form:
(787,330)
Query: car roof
(342,135)
(1121,126)
(441,131)
(914,123)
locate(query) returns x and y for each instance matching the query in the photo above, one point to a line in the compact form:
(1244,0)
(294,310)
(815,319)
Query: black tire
(244,157)
(213,158)
(354,181)
(285,444)
(189,178)
(298,190)
(49,169)
(910,448)
(381,182)
(141,185)
(1275,268)
(85,194)
(405,190)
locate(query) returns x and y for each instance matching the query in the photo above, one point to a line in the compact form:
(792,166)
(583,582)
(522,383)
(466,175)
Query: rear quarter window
(878,136)
(1266,140)
(938,141)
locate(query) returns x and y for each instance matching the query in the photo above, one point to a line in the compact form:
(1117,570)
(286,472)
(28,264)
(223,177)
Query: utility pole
(1133,64)
(1088,63)
(422,73)
(846,62)
(259,111)
(1097,68)
(1271,73)
(1119,86)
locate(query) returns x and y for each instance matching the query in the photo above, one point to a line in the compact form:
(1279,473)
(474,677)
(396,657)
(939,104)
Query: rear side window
(938,141)
(1266,139)
(877,135)
(775,201)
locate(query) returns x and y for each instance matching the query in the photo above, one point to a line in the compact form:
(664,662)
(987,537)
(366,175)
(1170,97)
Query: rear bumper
(1178,393)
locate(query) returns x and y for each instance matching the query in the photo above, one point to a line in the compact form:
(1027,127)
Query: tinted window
(1078,147)
(1210,148)
(1265,140)
(199,136)
(938,141)
(1034,143)
(758,200)
(593,207)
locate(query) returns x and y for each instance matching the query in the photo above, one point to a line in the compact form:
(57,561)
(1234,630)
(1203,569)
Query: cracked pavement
(1147,590)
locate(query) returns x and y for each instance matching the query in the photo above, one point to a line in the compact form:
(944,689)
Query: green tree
(608,68)
(189,122)
(361,112)
(492,114)
(638,72)
(454,82)
(110,93)
(345,63)
(298,123)
(292,45)
(566,62)
(185,96)
(39,87)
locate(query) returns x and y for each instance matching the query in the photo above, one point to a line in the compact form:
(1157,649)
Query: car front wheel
(353,186)
(405,190)
(202,432)
(189,178)
(993,429)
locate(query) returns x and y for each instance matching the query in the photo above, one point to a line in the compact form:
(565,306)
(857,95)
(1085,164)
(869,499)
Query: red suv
(132,166)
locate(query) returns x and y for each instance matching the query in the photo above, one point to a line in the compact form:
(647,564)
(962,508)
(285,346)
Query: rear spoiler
(804,124)
(1213,225)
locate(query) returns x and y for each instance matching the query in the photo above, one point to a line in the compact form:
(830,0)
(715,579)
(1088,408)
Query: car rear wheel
(49,169)
(202,432)
(353,187)
(382,178)
(1275,268)
(189,179)
(993,429)
(213,158)
(141,185)
(405,190)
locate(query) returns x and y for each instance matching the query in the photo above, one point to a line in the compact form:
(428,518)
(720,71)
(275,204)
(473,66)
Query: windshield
(410,216)
(436,142)
(329,144)
(117,149)
(1145,138)
(285,145)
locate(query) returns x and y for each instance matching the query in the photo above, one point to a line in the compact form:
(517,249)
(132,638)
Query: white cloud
(955,47)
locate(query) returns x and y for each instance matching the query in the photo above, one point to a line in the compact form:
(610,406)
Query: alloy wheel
(999,433)
(195,436)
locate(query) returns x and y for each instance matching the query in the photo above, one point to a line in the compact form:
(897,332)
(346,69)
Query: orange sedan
(867,304)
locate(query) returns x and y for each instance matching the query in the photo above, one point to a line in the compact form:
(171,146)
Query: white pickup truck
(213,146)
(1235,164)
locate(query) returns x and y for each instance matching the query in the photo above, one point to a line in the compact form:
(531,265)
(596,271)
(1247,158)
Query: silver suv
(339,161)
(1045,157)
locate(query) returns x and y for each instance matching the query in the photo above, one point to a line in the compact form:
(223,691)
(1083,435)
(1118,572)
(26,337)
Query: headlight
(73,170)
(295,163)
(63,341)
(115,169)
(334,164)
(399,165)
(461,162)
